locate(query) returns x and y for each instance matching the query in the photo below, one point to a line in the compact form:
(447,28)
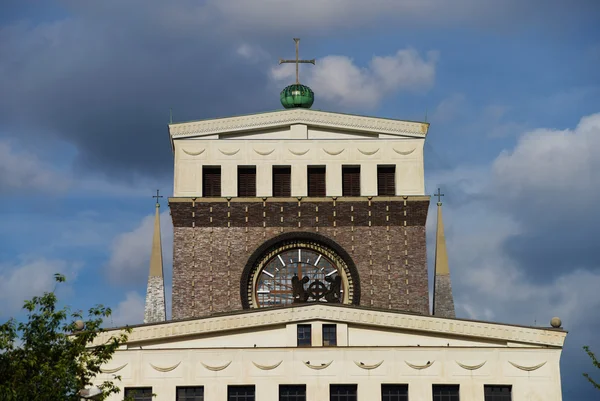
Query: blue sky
(512,92)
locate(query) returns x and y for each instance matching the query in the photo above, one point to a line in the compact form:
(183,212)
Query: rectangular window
(190,393)
(211,181)
(139,393)
(292,392)
(240,393)
(445,392)
(394,392)
(386,176)
(497,393)
(304,335)
(351,180)
(342,392)
(329,335)
(246,180)
(316,181)
(282,181)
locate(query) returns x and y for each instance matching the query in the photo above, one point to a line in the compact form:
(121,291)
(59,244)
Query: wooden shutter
(282,186)
(316,181)
(211,181)
(247,181)
(350,181)
(386,177)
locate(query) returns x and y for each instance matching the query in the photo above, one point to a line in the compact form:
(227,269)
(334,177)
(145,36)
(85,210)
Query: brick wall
(213,240)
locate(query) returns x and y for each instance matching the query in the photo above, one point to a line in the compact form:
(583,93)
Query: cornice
(374,318)
(270,120)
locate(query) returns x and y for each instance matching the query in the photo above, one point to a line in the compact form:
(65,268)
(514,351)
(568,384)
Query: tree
(596,363)
(50,356)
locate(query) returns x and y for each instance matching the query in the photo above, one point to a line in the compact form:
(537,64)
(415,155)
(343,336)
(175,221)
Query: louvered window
(351,180)
(386,176)
(282,186)
(246,181)
(316,181)
(211,181)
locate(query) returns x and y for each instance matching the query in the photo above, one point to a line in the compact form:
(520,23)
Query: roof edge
(246,319)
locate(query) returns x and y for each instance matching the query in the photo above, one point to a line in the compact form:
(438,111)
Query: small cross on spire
(157,196)
(439,196)
(297,61)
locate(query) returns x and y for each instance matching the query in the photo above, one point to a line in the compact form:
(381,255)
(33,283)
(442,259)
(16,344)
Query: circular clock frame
(320,244)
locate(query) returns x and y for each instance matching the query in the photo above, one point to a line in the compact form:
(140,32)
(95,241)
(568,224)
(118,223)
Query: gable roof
(256,318)
(313,118)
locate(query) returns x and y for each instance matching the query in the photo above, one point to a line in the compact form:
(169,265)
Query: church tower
(155,310)
(300,272)
(298,206)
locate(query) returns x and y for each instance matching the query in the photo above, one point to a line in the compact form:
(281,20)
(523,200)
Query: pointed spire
(155,310)
(443,301)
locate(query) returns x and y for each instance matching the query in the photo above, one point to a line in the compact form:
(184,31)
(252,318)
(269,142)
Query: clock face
(297,275)
(296,268)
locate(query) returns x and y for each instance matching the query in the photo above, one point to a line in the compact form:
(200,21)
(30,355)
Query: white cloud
(21,170)
(129,311)
(450,108)
(130,251)
(252,53)
(342,82)
(488,283)
(549,162)
(31,278)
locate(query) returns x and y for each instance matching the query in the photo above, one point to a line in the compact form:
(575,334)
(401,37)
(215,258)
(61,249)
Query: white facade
(298,138)
(373,348)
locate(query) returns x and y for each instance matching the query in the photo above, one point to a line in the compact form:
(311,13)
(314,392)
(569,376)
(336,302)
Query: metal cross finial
(297,61)
(439,195)
(157,196)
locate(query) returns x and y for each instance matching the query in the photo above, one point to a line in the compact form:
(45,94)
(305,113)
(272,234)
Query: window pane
(329,335)
(292,393)
(240,393)
(139,393)
(498,393)
(445,392)
(304,335)
(350,180)
(342,392)
(394,392)
(282,181)
(190,393)
(211,181)
(247,181)
(316,181)
(386,180)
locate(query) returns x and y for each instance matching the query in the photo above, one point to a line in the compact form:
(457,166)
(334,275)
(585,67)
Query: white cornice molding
(270,120)
(389,320)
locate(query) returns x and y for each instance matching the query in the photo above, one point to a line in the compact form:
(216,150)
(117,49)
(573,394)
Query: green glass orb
(297,95)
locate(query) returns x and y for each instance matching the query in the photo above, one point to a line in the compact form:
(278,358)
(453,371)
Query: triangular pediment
(376,325)
(286,118)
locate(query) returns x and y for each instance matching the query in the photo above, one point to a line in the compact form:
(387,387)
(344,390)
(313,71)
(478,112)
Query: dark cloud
(106,85)
(103,75)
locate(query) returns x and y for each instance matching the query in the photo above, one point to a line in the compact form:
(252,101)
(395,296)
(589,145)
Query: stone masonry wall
(214,240)
(154,310)
(443,302)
